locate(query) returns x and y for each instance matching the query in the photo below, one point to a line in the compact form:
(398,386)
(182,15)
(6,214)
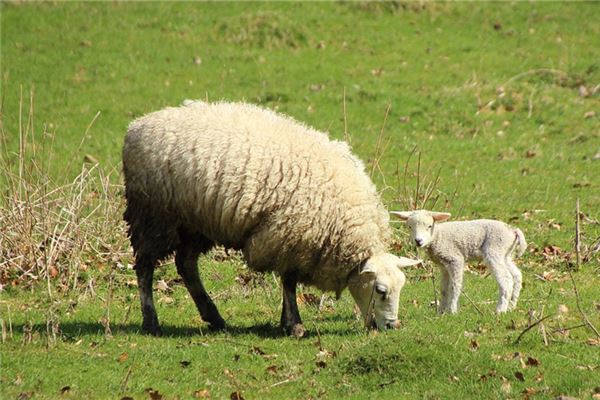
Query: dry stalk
(577,235)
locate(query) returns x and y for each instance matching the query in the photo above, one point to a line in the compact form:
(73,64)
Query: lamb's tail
(520,243)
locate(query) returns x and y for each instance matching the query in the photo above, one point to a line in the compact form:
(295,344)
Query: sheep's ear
(404,215)
(439,216)
(367,271)
(407,262)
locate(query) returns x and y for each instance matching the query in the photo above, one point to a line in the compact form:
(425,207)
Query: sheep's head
(421,224)
(376,289)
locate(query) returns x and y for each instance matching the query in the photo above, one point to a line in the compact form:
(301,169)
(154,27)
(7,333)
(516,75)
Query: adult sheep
(245,177)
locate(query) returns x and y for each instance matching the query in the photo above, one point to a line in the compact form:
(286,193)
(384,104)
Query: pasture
(481,110)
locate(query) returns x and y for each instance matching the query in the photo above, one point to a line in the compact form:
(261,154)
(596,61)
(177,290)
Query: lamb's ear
(404,215)
(407,262)
(439,216)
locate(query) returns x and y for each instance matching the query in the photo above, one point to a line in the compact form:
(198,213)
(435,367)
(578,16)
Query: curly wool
(251,179)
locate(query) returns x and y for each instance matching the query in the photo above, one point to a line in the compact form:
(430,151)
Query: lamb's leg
(517,283)
(444,289)
(505,282)
(290,316)
(186,259)
(456,269)
(144,269)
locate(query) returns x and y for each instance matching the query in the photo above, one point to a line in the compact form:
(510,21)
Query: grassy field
(500,100)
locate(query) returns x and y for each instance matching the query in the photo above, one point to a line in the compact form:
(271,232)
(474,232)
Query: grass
(502,99)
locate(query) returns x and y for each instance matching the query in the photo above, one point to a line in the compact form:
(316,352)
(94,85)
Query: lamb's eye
(381,289)
(430,226)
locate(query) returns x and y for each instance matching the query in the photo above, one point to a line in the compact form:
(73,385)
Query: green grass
(491,95)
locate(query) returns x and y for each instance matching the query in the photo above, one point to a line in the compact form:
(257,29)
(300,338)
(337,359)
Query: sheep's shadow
(76,330)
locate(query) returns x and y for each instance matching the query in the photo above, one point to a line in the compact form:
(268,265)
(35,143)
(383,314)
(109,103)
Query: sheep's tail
(189,102)
(520,243)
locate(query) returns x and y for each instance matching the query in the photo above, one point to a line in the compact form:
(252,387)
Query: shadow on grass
(75,330)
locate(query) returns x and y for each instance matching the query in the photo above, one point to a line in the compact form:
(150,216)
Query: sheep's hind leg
(517,283)
(505,283)
(144,269)
(290,316)
(186,259)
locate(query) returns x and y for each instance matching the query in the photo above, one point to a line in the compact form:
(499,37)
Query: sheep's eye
(381,289)
(430,226)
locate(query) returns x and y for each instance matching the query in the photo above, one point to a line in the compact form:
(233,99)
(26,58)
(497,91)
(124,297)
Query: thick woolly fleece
(251,179)
(476,239)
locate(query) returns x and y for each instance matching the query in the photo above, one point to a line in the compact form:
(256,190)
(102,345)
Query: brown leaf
(257,350)
(155,395)
(227,372)
(593,341)
(65,389)
(123,357)
(202,394)
(519,375)
(237,395)
(308,299)
(474,345)
(528,392)
(24,396)
(589,114)
(272,369)
(506,386)
(532,362)
(530,153)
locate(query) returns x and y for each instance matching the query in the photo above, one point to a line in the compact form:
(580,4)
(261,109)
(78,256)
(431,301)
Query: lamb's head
(421,224)
(376,289)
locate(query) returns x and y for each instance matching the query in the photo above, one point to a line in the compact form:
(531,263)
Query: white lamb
(245,177)
(451,244)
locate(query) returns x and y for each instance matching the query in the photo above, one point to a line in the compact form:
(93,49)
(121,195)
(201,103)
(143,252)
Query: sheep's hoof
(297,330)
(217,326)
(152,329)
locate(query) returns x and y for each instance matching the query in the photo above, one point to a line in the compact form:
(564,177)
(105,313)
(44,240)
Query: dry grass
(53,230)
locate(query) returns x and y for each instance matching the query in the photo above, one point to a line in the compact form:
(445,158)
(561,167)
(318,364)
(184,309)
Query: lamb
(451,244)
(290,199)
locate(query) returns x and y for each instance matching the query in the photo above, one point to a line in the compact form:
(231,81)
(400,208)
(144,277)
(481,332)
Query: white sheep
(451,244)
(245,177)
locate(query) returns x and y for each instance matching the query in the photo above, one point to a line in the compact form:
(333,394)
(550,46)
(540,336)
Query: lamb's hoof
(297,330)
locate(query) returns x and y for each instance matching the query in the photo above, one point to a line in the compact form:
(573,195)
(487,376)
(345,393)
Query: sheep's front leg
(144,269)
(456,269)
(444,289)
(290,316)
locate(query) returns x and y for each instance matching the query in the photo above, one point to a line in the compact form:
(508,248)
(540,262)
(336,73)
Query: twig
(543,328)
(472,302)
(583,315)
(346,135)
(577,235)
(126,378)
(378,147)
(532,325)
(535,72)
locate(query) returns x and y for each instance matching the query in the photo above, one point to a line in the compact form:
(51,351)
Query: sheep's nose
(393,325)
(419,242)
